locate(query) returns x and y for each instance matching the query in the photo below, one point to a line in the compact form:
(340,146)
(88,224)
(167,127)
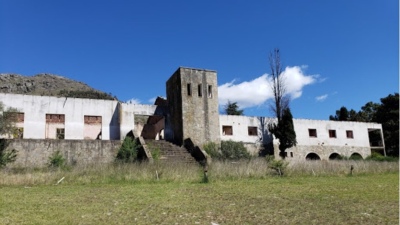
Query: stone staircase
(170,153)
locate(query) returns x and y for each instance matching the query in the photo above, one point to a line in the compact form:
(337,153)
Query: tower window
(200,91)
(189,89)
(209,91)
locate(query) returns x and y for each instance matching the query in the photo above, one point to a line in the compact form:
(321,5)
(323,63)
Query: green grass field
(89,198)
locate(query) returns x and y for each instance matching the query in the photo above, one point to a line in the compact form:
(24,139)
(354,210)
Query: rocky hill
(49,85)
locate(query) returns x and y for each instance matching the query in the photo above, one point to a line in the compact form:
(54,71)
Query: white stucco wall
(127,116)
(322,145)
(240,126)
(35,109)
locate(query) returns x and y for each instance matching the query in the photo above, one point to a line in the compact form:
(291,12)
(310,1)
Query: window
(209,91)
(332,133)
(312,132)
(55,118)
(349,134)
(252,131)
(291,154)
(92,119)
(199,90)
(189,89)
(60,133)
(227,130)
(18,133)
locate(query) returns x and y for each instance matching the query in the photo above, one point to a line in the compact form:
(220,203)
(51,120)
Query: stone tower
(192,96)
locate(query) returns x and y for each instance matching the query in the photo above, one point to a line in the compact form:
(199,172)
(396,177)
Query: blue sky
(336,53)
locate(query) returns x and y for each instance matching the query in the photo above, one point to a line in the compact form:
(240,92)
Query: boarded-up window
(227,130)
(55,118)
(312,132)
(349,134)
(252,131)
(332,133)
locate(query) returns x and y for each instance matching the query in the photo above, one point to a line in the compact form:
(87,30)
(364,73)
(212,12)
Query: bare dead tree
(281,100)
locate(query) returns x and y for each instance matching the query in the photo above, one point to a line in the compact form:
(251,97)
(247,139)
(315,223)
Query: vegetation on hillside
(86,94)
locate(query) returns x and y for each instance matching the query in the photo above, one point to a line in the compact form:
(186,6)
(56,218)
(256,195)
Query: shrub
(155,152)
(56,160)
(278,165)
(234,150)
(212,150)
(128,150)
(6,156)
(378,157)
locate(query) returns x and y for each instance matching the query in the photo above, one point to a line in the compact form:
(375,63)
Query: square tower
(192,96)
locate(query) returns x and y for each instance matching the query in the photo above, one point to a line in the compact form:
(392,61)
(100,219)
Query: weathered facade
(190,112)
(192,96)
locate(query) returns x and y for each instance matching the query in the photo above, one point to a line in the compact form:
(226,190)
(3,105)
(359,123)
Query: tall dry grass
(218,170)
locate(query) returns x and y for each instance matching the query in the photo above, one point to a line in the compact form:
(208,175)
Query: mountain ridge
(49,85)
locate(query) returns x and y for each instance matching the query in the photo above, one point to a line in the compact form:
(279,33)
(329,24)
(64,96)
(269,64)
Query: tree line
(386,113)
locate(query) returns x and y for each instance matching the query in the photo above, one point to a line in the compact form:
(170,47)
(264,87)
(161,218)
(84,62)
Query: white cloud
(258,91)
(134,101)
(152,100)
(321,98)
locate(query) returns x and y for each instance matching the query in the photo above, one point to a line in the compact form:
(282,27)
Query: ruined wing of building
(189,115)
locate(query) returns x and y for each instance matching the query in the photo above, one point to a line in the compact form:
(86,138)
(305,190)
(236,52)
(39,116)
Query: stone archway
(335,156)
(313,156)
(356,156)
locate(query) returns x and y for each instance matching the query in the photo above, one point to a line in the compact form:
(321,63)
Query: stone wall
(36,153)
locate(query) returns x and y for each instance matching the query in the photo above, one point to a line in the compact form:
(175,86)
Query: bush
(6,156)
(128,151)
(56,160)
(155,152)
(278,165)
(212,150)
(234,150)
(378,157)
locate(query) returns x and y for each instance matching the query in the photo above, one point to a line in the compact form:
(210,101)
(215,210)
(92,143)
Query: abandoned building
(188,117)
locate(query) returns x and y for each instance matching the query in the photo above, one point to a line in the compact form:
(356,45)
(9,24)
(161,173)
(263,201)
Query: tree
(7,126)
(284,131)
(385,113)
(7,119)
(281,100)
(388,115)
(231,108)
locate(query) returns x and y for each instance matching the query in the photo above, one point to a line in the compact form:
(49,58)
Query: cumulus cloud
(258,91)
(134,101)
(321,98)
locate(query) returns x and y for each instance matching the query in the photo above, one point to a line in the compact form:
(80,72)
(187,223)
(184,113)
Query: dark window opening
(332,133)
(189,89)
(312,132)
(200,91)
(252,131)
(291,154)
(227,130)
(349,134)
(209,91)
(60,133)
